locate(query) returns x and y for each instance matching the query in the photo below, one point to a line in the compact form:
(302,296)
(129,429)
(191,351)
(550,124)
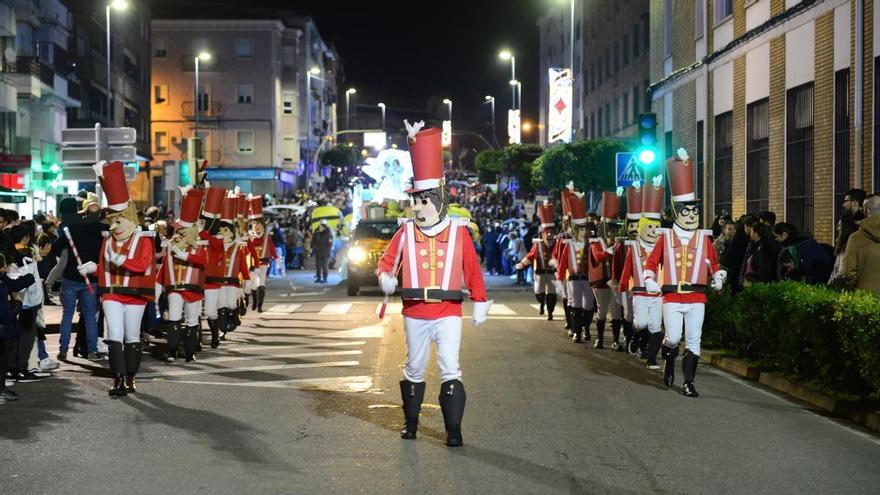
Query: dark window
(841,138)
(132,68)
(625,47)
(636,46)
(757,156)
(701,160)
(724,163)
(616,57)
(799,157)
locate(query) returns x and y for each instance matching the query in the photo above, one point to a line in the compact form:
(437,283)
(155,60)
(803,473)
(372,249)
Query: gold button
(423,252)
(440,265)
(678,255)
(690,256)
(425,265)
(678,263)
(644,263)
(690,264)
(439,252)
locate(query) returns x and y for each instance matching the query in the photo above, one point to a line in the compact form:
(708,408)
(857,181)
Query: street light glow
(489,98)
(314,71)
(447,101)
(204,56)
(119,4)
(381,105)
(505,55)
(526,126)
(350,91)
(514,82)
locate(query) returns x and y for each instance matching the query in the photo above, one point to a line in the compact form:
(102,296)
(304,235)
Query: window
(204,99)
(646,33)
(288,57)
(287,103)
(625,47)
(159,50)
(160,94)
(724,163)
(799,157)
(699,18)
(723,10)
(625,100)
(131,65)
(757,156)
(244,93)
(701,160)
(616,57)
(667,28)
(636,41)
(161,141)
(841,138)
(288,149)
(244,141)
(244,47)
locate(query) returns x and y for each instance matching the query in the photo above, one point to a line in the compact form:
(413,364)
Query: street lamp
(491,100)
(202,56)
(312,73)
(119,5)
(348,93)
(448,103)
(382,106)
(506,55)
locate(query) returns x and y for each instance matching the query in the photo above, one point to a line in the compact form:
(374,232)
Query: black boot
(587,319)
(655,340)
(551,305)
(600,334)
(412,395)
(615,333)
(452,400)
(632,338)
(191,342)
(253,301)
(669,355)
(215,333)
(199,336)
(644,342)
(234,318)
(261,295)
(689,369)
(117,368)
(567,310)
(541,299)
(243,305)
(133,353)
(173,337)
(577,325)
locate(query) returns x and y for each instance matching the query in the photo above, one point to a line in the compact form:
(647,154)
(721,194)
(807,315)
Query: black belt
(543,272)
(264,260)
(189,287)
(428,295)
(222,280)
(127,291)
(578,277)
(683,288)
(639,289)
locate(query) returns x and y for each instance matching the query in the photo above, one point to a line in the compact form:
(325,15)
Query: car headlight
(357,255)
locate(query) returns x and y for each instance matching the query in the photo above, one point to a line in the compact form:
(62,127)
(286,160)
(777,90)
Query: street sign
(95,154)
(108,135)
(130,172)
(627,169)
(171,174)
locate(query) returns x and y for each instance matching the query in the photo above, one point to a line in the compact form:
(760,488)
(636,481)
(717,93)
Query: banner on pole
(559,121)
(446,134)
(513,130)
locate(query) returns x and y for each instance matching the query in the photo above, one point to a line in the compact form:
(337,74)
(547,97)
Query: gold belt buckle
(680,291)
(425,295)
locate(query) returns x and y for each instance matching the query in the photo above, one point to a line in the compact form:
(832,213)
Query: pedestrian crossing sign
(627,169)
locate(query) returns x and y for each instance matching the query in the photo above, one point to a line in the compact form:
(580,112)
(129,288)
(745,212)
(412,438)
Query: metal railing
(34,67)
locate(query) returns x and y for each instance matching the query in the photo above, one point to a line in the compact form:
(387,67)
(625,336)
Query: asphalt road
(304,399)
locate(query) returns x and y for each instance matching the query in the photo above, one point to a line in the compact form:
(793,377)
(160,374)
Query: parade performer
(572,269)
(601,255)
(647,307)
(621,249)
(565,233)
(689,266)
(215,266)
(242,214)
(227,268)
(126,278)
(436,254)
(541,255)
(263,251)
(182,277)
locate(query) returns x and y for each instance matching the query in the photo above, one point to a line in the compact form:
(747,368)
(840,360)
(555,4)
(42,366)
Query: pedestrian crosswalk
(496,311)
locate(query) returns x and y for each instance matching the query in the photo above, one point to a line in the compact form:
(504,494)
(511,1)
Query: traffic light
(647,149)
(54,177)
(183,175)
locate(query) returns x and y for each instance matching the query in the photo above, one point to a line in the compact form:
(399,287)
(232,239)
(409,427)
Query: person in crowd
(322,243)
(749,222)
(296,239)
(861,258)
(9,327)
(768,218)
(503,246)
(29,301)
(853,202)
(723,240)
(761,265)
(600,255)
(846,227)
(490,249)
(802,258)
(516,250)
(46,262)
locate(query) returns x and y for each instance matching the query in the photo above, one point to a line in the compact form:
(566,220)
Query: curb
(848,410)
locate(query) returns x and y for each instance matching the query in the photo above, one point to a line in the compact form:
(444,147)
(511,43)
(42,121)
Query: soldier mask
(258,228)
(429,207)
(632,228)
(609,231)
(687,215)
(649,230)
(185,237)
(123,224)
(227,232)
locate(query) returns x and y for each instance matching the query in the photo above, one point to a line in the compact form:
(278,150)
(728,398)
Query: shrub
(857,315)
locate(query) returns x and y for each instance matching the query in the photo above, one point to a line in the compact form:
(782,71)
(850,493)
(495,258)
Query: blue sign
(286,177)
(627,169)
(241,173)
(513,186)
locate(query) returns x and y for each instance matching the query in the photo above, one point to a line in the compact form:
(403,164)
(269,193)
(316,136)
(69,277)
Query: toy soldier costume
(263,251)
(572,269)
(600,256)
(621,249)
(541,255)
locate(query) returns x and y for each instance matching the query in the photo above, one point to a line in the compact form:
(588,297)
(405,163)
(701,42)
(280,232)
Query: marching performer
(436,254)
(226,270)
(562,288)
(647,307)
(215,265)
(572,269)
(182,276)
(689,266)
(263,252)
(541,254)
(126,278)
(601,255)
(621,249)
(242,213)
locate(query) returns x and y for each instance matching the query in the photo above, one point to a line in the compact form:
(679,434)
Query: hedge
(814,333)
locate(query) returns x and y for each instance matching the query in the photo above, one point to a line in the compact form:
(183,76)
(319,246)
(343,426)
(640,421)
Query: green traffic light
(647,156)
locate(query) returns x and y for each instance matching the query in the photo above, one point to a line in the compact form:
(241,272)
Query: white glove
(552,262)
(481,309)
(179,253)
(610,250)
(652,286)
(164,243)
(118,259)
(387,283)
(87,268)
(718,279)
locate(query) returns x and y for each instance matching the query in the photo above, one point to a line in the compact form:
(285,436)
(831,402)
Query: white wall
(800,60)
(842,26)
(758,73)
(722,88)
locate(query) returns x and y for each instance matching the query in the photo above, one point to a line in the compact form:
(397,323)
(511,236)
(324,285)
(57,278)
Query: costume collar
(645,245)
(682,233)
(436,228)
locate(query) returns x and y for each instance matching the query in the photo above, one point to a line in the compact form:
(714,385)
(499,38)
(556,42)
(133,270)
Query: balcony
(8,94)
(207,110)
(31,76)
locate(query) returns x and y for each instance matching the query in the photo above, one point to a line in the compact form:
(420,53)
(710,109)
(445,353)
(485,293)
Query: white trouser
(229,296)
(580,295)
(446,332)
(212,297)
(691,316)
(544,283)
(626,303)
(648,313)
(561,288)
(177,306)
(606,300)
(122,322)
(258,277)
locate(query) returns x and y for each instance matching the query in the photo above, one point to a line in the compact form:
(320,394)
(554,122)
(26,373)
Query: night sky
(419,49)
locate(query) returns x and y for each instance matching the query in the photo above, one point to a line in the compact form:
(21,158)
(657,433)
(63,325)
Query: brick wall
(739,135)
(777,126)
(823,130)
(868,91)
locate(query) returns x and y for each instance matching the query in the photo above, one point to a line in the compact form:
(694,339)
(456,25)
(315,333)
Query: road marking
(335,309)
(294,346)
(331,364)
(358,383)
(368,332)
(283,308)
(501,310)
(293,355)
(392,309)
(536,306)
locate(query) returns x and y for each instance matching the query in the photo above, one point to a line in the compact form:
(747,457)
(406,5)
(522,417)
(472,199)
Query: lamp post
(491,100)
(116,5)
(448,103)
(348,93)
(382,107)
(203,56)
(313,72)
(506,55)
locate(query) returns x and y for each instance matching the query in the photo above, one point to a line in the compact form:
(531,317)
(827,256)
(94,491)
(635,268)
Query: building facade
(765,96)
(248,101)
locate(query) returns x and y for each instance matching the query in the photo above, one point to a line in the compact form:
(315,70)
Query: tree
(588,163)
(518,160)
(489,164)
(341,155)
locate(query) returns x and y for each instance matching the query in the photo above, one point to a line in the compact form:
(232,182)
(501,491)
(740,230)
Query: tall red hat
(564,200)
(652,199)
(426,152)
(256,204)
(241,206)
(214,202)
(113,183)
(634,201)
(229,209)
(681,178)
(577,209)
(610,206)
(546,212)
(190,206)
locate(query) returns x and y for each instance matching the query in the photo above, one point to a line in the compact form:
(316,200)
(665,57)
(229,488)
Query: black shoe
(62,356)
(8,395)
(412,394)
(549,316)
(651,364)
(600,335)
(452,401)
(118,389)
(669,356)
(130,385)
(215,334)
(688,390)
(28,376)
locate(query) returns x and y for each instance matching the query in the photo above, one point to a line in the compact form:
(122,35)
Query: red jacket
(133,282)
(218,271)
(540,255)
(571,264)
(264,249)
(633,266)
(186,278)
(600,264)
(690,265)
